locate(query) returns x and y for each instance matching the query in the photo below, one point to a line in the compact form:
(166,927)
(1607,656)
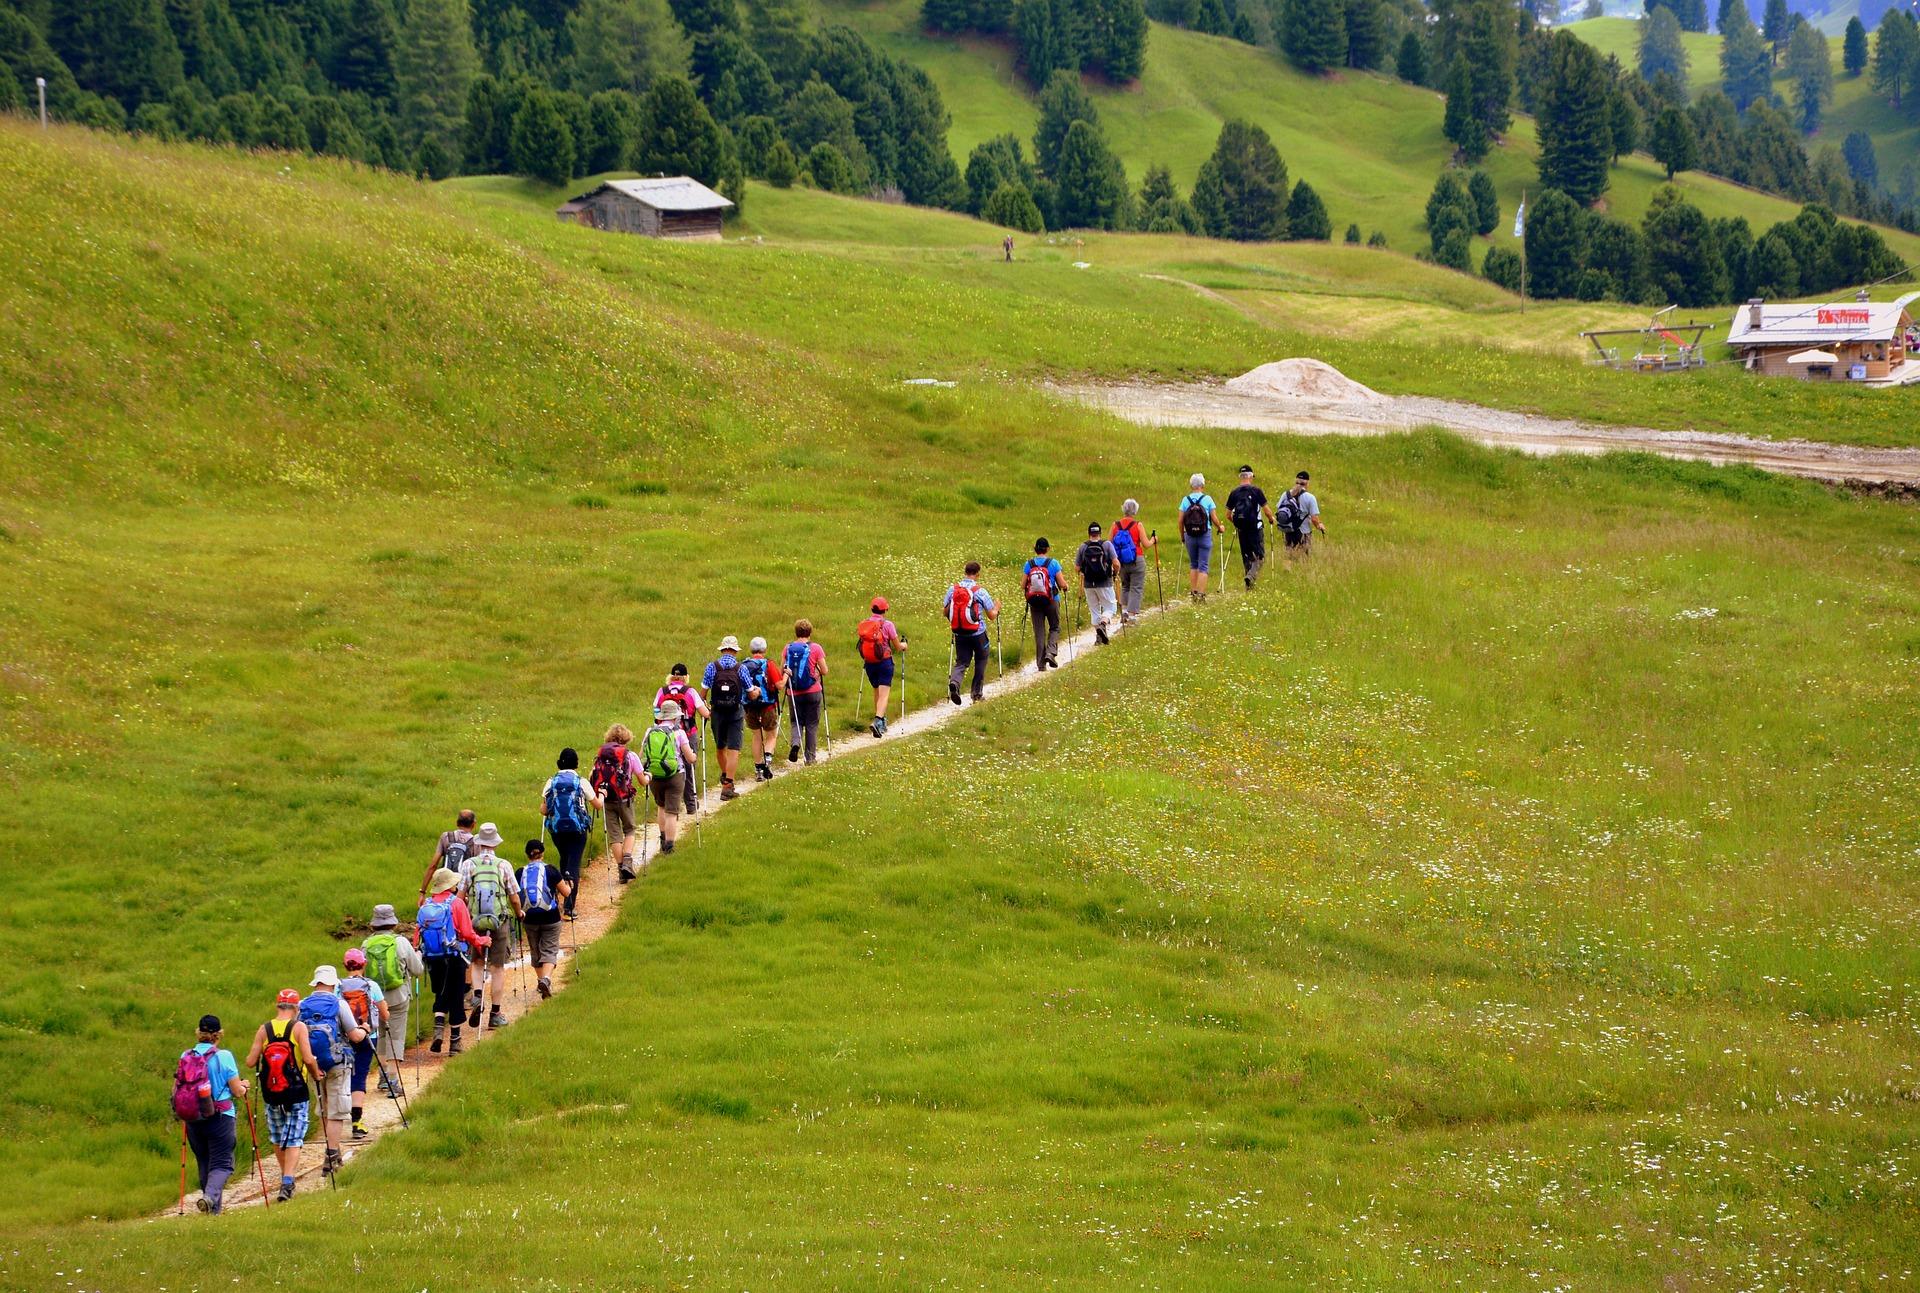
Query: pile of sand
(1302,379)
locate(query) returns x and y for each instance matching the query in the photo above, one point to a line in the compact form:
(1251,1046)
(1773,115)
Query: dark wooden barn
(668,207)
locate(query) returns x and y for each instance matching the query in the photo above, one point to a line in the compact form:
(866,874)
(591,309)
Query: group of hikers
(478,913)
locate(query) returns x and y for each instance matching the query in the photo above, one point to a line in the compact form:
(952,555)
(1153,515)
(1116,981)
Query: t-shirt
(1132,527)
(542,916)
(817,654)
(1309,506)
(1244,505)
(1113,558)
(360,982)
(680,742)
(221,1070)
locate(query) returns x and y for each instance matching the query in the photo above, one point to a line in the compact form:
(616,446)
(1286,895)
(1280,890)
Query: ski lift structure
(1663,346)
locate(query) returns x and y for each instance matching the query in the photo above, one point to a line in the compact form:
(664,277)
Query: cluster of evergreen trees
(1104,36)
(717,89)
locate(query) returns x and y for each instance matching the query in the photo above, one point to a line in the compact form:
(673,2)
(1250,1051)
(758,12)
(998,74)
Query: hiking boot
(879,728)
(473,1018)
(953,692)
(285,1192)
(546,988)
(764,771)
(727,791)
(439,1033)
(1100,633)
(332,1163)
(793,754)
(453,1043)
(496,1019)
(626,873)
(203,1204)
(359,1130)
(1053,662)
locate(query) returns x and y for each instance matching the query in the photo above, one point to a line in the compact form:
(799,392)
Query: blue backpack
(566,804)
(436,929)
(1124,546)
(535,892)
(753,673)
(320,1012)
(799,661)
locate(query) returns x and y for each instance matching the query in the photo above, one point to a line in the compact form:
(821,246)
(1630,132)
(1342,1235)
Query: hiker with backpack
(968,608)
(1299,517)
(725,683)
(443,932)
(566,806)
(693,708)
(394,963)
(1040,583)
(1130,544)
(1098,565)
(1246,505)
(762,705)
(206,1087)
(616,779)
(492,893)
(1198,525)
(878,638)
(804,667)
(331,1031)
(368,1002)
(543,888)
(281,1059)
(665,757)
(451,849)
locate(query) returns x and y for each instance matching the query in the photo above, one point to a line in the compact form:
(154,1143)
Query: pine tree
(1810,72)
(122,49)
(542,145)
(1853,56)
(1011,207)
(1377,239)
(614,120)
(1556,242)
(1861,163)
(1672,142)
(1123,56)
(1722,14)
(1502,268)
(363,54)
(1314,34)
(1746,67)
(625,45)
(1411,64)
(433,67)
(677,135)
(1661,49)
(1776,25)
(1062,102)
(1307,219)
(1486,202)
(1895,49)
(1462,124)
(1488,45)
(1162,209)
(1353,235)
(1449,207)
(1366,33)
(830,170)
(1683,256)
(1038,40)
(1091,184)
(1624,121)
(1241,190)
(1455,251)
(782,168)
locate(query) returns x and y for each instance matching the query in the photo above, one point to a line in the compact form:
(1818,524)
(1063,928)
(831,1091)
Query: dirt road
(1213,404)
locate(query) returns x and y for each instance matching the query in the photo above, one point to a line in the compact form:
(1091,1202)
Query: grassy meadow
(1519,895)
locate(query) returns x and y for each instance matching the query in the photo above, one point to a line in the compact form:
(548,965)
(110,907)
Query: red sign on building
(1847,316)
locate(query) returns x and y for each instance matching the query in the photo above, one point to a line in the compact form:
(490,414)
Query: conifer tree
(1672,142)
(1776,25)
(1746,68)
(434,65)
(122,49)
(1853,56)
(542,145)
(1462,124)
(1895,48)
(1366,33)
(1810,72)
(1307,218)
(1314,34)
(1661,49)
(1556,240)
(1241,191)
(1486,202)
(1576,130)
(1091,186)
(1062,102)
(363,55)
(1411,63)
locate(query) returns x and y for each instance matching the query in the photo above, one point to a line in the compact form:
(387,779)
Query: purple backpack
(192,1089)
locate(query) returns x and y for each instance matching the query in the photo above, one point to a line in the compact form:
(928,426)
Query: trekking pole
(393,1088)
(860,694)
(259,1168)
(646,824)
(1021,636)
(826,717)
(999,656)
(183,1169)
(700,791)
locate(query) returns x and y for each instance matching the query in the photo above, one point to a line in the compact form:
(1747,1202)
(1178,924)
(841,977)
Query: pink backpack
(193,1089)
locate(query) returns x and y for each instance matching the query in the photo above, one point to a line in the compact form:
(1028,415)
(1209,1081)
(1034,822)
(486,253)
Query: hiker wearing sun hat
(443,931)
(282,1057)
(394,964)
(332,1032)
(762,704)
(878,639)
(726,686)
(491,889)
(665,756)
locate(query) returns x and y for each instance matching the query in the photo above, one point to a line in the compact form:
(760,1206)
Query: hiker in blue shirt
(968,608)
(1040,584)
(1198,525)
(213,1139)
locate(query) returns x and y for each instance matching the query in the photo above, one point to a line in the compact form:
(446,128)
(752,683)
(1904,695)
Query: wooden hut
(1858,341)
(667,207)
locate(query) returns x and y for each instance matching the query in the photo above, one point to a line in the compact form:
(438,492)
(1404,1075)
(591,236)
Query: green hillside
(1369,144)
(1517,895)
(1855,106)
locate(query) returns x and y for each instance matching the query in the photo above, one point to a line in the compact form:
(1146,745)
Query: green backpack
(383,961)
(487,895)
(660,751)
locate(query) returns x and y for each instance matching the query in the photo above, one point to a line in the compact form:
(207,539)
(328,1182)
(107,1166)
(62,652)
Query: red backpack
(612,774)
(871,635)
(282,1082)
(962,611)
(1039,579)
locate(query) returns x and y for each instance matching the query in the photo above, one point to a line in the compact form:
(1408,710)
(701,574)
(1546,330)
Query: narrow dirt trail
(1207,404)
(596,907)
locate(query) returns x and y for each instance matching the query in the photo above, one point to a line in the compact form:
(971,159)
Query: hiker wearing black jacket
(1246,505)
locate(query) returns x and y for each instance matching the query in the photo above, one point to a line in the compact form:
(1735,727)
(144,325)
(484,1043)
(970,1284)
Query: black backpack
(1092,561)
(1292,517)
(1242,507)
(1193,517)
(729,688)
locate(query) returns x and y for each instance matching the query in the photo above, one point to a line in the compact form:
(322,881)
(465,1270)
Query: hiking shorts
(362,1062)
(543,942)
(287,1124)
(500,950)
(670,793)
(335,1097)
(619,822)
(763,718)
(879,672)
(1199,551)
(729,727)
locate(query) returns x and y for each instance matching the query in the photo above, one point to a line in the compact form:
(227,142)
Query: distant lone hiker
(1040,583)
(968,608)
(1130,544)
(1246,505)
(1198,525)
(1006,248)
(879,639)
(1298,516)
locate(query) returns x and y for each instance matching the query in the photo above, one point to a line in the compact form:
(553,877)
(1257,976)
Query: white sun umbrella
(1813,357)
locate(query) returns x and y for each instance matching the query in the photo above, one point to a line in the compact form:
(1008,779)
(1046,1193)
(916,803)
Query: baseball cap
(879,606)
(287,997)
(354,959)
(679,671)
(210,1023)
(1093,527)
(325,976)
(1300,476)
(1246,471)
